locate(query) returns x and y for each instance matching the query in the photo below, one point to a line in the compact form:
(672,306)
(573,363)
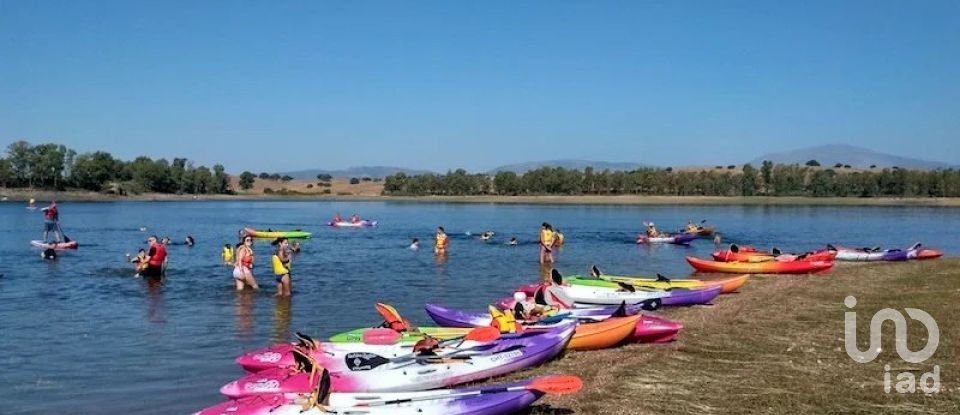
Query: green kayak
(441,333)
(277,234)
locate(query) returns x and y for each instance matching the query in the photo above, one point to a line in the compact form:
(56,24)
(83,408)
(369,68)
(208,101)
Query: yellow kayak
(729,284)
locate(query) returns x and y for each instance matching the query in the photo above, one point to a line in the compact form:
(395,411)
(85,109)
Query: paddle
(306,341)
(556,277)
(621,311)
(66,238)
(360,361)
(550,385)
(595,272)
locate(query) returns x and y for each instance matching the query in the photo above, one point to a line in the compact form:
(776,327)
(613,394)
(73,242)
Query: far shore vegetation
(52,170)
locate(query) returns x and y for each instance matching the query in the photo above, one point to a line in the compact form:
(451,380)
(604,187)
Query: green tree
(20,157)
(93,171)
(506,183)
(749,180)
(766,172)
(6,173)
(221,181)
(247,179)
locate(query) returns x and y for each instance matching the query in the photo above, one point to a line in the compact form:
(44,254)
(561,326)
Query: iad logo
(906,381)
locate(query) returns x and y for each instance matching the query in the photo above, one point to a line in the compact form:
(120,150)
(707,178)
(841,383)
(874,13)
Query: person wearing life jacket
(355,218)
(51,221)
(557,238)
(547,238)
(156,259)
(139,262)
(281,266)
(243,267)
(227,254)
(652,231)
(504,321)
(441,241)
(692,227)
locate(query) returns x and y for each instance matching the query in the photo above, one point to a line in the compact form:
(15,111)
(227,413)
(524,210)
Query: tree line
(56,167)
(769,179)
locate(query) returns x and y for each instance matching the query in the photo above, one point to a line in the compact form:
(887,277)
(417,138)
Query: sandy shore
(365,194)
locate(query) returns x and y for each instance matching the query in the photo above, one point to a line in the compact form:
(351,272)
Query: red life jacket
(50,213)
(158,256)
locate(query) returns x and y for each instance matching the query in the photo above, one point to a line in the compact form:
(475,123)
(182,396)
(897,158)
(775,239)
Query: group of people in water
(441,241)
(354,218)
(242,258)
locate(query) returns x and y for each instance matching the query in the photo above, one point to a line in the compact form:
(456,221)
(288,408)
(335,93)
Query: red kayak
(770,267)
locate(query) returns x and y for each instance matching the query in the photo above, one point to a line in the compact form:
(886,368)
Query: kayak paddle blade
(557,385)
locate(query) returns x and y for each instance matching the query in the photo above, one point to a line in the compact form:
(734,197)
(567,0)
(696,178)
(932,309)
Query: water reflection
(156,309)
(243,312)
(546,270)
(281,320)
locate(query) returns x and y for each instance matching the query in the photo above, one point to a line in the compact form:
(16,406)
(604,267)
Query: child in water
(227,254)
(50,252)
(139,261)
(415,244)
(513,242)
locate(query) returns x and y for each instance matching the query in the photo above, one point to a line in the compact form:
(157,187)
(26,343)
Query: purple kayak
(448,317)
(692,296)
(483,400)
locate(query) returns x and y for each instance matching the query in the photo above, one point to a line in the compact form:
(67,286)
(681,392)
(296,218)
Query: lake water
(80,335)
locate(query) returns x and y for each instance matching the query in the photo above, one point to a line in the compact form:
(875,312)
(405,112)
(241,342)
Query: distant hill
(829,155)
(359,171)
(569,164)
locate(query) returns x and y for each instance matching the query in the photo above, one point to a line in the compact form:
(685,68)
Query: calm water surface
(80,335)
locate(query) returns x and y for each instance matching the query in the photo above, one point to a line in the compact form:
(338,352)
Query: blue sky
(303,84)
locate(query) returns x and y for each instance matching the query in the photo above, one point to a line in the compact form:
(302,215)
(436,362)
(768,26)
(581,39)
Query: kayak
(795,267)
(757,256)
(589,335)
(577,296)
(702,231)
(511,352)
(346,224)
(501,399)
(677,296)
(727,285)
(58,246)
(410,336)
(864,255)
(277,234)
(681,239)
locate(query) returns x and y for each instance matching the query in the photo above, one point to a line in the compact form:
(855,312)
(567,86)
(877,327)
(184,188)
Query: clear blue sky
(302,84)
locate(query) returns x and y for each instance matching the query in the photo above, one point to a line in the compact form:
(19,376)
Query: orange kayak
(773,267)
(604,334)
(758,256)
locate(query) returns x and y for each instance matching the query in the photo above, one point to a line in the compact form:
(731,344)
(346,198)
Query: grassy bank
(367,192)
(777,347)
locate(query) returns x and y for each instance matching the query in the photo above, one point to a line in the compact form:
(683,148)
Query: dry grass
(777,347)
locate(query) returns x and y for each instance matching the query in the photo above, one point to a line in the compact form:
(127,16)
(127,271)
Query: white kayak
(586,296)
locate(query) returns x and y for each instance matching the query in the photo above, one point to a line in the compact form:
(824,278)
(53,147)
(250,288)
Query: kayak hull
(345,224)
(277,234)
(505,402)
(60,246)
(681,239)
(728,285)
(730,256)
(677,296)
(795,267)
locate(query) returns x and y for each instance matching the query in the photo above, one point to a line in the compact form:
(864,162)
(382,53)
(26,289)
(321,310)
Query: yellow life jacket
(227,254)
(546,237)
(504,321)
(278,266)
(441,240)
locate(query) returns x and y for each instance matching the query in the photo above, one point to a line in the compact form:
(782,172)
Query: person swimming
(50,253)
(513,242)
(486,236)
(189,240)
(415,244)
(295,247)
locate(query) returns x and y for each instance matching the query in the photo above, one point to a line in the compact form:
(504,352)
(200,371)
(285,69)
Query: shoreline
(20,195)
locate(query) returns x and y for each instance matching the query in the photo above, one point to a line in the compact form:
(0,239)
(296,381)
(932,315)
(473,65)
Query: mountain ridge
(831,154)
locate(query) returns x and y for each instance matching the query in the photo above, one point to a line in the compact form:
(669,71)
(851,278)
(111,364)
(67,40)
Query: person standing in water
(546,243)
(441,242)
(281,266)
(51,222)
(156,259)
(243,268)
(227,254)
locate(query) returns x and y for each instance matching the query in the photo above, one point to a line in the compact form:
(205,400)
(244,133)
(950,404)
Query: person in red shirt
(156,259)
(51,221)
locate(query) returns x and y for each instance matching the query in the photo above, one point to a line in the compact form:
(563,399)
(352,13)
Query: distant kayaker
(50,252)
(546,243)
(441,242)
(415,244)
(281,266)
(227,254)
(692,227)
(51,221)
(652,231)
(243,268)
(337,218)
(156,259)
(355,218)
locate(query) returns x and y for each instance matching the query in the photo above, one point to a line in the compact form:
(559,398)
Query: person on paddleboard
(51,221)
(156,259)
